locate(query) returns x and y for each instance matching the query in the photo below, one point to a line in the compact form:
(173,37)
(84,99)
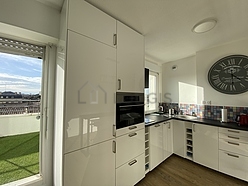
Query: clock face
(229,75)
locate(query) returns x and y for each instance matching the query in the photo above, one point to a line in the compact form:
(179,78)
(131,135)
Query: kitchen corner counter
(154,119)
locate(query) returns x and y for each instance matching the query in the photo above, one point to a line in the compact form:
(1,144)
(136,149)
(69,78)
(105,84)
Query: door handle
(114,146)
(132,134)
(132,162)
(114,131)
(233,137)
(119,84)
(235,156)
(232,143)
(234,131)
(132,127)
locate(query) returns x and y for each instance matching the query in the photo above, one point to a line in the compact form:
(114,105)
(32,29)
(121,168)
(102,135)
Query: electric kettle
(242,119)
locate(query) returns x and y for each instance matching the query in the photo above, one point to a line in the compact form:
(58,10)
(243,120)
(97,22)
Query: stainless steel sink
(187,117)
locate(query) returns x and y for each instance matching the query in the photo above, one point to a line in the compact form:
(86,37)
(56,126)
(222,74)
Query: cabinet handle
(193,127)
(133,127)
(235,156)
(115,39)
(119,84)
(169,125)
(114,147)
(157,125)
(232,143)
(133,134)
(132,162)
(233,131)
(233,137)
(114,130)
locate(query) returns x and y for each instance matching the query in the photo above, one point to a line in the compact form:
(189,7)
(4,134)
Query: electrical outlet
(204,102)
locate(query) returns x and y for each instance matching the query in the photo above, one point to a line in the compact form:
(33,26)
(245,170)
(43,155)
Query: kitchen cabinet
(205,145)
(131,172)
(233,153)
(130,156)
(92,166)
(89,21)
(156,145)
(178,137)
(129,146)
(130,59)
(89,98)
(167,139)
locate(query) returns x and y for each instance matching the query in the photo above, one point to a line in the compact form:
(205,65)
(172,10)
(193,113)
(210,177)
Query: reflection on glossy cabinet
(156,145)
(94,166)
(130,59)
(90,88)
(205,145)
(167,139)
(87,20)
(178,137)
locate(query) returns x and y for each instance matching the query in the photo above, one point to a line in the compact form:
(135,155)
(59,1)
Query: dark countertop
(160,118)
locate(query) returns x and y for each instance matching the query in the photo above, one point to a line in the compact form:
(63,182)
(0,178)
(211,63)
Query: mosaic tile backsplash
(206,111)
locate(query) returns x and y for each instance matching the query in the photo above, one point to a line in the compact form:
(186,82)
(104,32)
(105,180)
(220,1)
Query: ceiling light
(204,25)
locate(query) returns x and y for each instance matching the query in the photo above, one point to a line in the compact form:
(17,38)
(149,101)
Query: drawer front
(234,137)
(233,164)
(129,146)
(233,146)
(233,132)
(129,129)
(131,172)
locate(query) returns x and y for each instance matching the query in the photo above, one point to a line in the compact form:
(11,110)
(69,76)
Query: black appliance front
(129,109)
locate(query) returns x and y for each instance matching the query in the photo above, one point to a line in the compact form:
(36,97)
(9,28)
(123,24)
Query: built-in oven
(129,109)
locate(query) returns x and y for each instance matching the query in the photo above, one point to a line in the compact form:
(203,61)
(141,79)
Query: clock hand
(236,77)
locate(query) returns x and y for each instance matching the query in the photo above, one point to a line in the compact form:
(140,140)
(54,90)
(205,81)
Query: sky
(20,74)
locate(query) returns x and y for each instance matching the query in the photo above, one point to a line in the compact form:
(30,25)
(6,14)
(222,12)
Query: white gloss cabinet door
(233,164)
(129,145)
(90,92)
(156,145)
(87,20)
(91,166)
(130,60)
(178,137)
(205,145)
(131,172)
(167,140)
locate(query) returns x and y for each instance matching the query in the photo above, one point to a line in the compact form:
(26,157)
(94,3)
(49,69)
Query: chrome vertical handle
(115,39)
(119,84)
(193,126)
(114,130)
(114,147)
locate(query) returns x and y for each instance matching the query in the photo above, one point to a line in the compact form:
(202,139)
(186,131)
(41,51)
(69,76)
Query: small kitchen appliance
(242,119)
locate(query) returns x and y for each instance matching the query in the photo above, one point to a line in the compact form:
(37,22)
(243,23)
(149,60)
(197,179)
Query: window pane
(152,92)
(20,87)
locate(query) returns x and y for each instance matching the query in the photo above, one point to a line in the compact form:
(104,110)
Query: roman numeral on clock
(223,86)
(217,70)
(243,86)
(231,62)
(223,65)
(240,61)
(232,87)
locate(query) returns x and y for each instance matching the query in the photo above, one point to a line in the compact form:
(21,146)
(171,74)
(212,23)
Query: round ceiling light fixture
(204,25)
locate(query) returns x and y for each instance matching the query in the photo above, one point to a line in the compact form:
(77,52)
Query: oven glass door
(127,115)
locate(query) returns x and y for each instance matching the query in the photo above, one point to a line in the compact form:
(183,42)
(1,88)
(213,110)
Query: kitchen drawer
(129,129)
(234,137)
(233,146)
(131,172)
(129,146)
(233,132)
(233,164)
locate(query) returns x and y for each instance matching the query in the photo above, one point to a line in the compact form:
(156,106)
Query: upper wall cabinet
(86,19)
(130,60)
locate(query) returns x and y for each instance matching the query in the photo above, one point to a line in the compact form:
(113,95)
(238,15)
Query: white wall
(179,85)
(18,124)
(205,59)
(189,83)
(30,15)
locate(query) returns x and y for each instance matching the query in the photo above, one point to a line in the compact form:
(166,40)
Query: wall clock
(229,75)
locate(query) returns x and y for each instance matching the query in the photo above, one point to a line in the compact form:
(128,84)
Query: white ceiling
(167,24)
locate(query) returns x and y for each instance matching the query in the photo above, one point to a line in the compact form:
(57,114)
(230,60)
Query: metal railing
(16,109)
